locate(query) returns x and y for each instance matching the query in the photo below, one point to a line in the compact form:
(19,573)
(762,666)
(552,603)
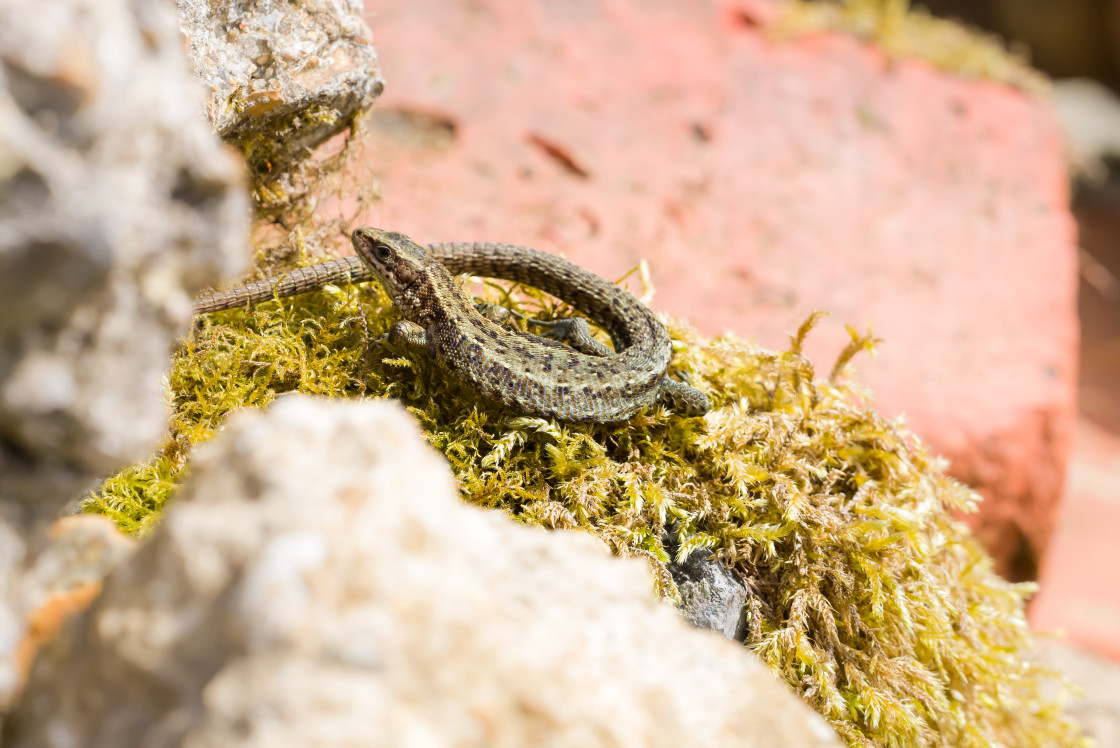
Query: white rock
(318,583)
(117,204)
(1090,116)
(296,72)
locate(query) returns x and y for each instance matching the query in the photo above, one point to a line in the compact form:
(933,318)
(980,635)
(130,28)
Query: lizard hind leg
(683,398)
(575,332)
(571,330)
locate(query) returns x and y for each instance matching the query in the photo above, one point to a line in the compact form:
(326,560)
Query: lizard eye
(382,252)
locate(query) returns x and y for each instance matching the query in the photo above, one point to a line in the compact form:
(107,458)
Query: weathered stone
(43,586)
(712,596)
(12,625)
(281,77)
(319,582)
(116,205)
(65,573)
(78,550)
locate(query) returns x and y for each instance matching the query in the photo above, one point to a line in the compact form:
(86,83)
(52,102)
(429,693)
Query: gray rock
(13,551)
(117,204)
(59,574)
(281,77)
(318,582)
(77,551)
(712,597)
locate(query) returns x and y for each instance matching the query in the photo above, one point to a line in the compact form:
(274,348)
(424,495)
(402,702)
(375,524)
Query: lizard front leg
(408,333)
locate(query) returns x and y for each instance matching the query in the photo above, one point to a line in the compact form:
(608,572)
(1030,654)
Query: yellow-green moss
(869,599)
(905,32)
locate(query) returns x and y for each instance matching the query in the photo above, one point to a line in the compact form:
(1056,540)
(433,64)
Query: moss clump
(869,599)
(905,32)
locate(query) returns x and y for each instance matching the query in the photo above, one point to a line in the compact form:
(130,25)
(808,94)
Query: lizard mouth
(408,283)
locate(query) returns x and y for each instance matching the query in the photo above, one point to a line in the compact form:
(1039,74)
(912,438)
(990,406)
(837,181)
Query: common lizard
(585,382)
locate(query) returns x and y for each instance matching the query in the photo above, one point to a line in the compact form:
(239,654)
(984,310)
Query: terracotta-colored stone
(762,180)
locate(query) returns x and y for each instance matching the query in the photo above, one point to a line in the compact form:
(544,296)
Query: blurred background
(1077,42)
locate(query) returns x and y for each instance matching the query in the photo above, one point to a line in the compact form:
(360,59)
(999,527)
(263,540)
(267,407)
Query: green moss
(870,600)
(901,31)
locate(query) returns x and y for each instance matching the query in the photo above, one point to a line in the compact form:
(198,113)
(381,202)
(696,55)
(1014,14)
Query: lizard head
(396,260)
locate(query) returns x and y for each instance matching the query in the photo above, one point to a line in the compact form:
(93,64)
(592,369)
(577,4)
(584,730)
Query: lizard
(585,381)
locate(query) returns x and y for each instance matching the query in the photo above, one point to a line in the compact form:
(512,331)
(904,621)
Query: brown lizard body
(528,373)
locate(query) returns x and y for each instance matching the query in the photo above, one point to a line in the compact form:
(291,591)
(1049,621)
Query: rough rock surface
(78,550)
(293,73)
(68,565)
(319,583)
(117,204)
(712,596)
(763,179)
(12,625)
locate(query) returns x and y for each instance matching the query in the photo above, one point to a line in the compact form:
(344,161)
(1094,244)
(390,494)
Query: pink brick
(763,180)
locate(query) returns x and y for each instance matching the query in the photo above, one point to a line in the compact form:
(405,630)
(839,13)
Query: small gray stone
(1090,116)
(712,597)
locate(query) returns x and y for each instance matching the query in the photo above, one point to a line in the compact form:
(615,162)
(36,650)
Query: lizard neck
(433,299)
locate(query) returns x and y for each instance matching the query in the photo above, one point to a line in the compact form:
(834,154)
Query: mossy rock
(868,597)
